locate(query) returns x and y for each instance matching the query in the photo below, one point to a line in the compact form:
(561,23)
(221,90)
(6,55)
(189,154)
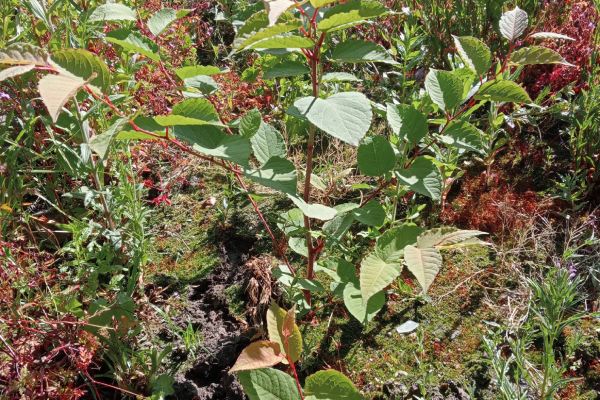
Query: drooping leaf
(267,142)
(346,116)
(83,64)
(193,111)
(100,144)
(474,53)
(259,354)
(502,91)
(464,135)
(37,8)
(56,90)
(277,173)
(423,177)
(513,23)
(209,140)
(134,42)
(23,54)
(407,122)
(195,70)
(285,69)
(204,83)
(339,77)
(423,263)
(349,14)
(113,12)
(551,35)
(537,55)
(362,310)
(359,51)
(330,385)
(161,20)
(390,246)
(276,317)
(444,88)
(376,274)
(268,384)
(286,41)
(375,156)
(371,214)
(264,33)
(316,211)
(17,70)
(277,7)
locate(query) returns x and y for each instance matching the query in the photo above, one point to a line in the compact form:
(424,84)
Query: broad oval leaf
(359,51)
(423,263)
(277,173)
(113,12)
(267,142)
(363,311)
(407,122)
(209,140)
(83,64)
(286,41)
(502,91)
(513,23)
(285,69)
(264,33)
(537,55)
(349,14)
(330,385)
(376,274)
(195,70)
(260,354)
(133,41)
(390,246)
(56,90)
(268,384)
(375,156)
(474,53)
(276,318)
(371,214)
(444,88)
(423,177)
(316,211)
(161,20)
(346,116)
(465,136)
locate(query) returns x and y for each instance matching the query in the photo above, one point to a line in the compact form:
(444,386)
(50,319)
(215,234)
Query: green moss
(236,300)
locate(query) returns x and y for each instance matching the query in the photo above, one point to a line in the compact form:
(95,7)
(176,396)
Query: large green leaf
(444,88)
(193,111)
(267,142)
(537,55)
(463,135)
(134,42)
(502,91)
(359,51)
(474,53)
(316,211)
(375,156)
(83,64)
(423,263)
(346,116)
(349,14)
(362,310)
(285,69)
(321,3)
(113,12)
(371,214)
(211,141)
(268,384)
(330,385)
(376,274)
(286,41)
(195,70)
(277,173)
(407,122)
(162,19)
(250,123)
(423,177)
(390,246)
(264,32)
(513,23)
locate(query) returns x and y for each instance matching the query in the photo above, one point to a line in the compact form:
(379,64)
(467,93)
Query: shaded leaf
(537,55)
(268,384)
(330,385)
(349,14)
(423,177)
(502,91)
(375,156)
(474,53)
(359,51)
(363,311)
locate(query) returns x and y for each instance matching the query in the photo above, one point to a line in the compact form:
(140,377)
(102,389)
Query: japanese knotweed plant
(428,136)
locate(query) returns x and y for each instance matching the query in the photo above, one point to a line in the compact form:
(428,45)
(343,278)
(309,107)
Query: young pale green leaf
(56,90)
(474,53)
(276,322)
(465,136)
(134,42)
(196,70)
(551,35)
(376,274)
(17,70)
(146,123)
(502,91)
(113,12)
(260,354)
(444,88)
(330,385)
(268,384)
(362,310)
(537,55)
(277,7)
(286,41)
(360,51)
(513,23)
(349,14)
(100,144)
(423,263)
(209,140)
(23,54)
(316,211)
(346,116)
(339,77)
(375,156)
(267,142)
(390,246)
(277,173)
(193,111)
(285,69)
(268,32)
(423,177)
(407,122)
(371,214)
(83,64)
(161,20)
(321,3)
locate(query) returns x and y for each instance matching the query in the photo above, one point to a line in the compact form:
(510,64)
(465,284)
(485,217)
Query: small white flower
(406,10)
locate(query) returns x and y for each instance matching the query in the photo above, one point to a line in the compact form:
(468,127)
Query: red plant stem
(293,367)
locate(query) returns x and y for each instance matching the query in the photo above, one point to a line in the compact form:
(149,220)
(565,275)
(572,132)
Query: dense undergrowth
(299,200)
